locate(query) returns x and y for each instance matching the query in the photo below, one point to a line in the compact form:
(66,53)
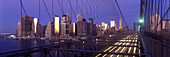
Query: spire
(69,18)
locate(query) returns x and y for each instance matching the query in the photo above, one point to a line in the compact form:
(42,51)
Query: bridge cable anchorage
(47,10)
(72,8)
(22,7)
(121,13)
(60,6)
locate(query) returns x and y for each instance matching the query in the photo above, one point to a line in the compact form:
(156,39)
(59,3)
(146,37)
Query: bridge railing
(158,46)
(144,46)
(21,52)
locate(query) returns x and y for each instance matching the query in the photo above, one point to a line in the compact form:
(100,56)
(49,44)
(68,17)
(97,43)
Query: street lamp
(141,20)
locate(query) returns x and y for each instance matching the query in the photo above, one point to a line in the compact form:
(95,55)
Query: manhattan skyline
(9,18)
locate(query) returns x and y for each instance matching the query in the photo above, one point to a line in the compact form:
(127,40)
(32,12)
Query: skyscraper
(35,27)
(120,24)
(69,18)
(56,25)
(19,29)
(112,24)
(79,17)
(26,25)
(154,21)
(64,26)
(42,30)
(48,31)
(103,24)
(90,27)
(82,28)
(166,25)
(106,26)
(115,27)
(72,29)
(94,29)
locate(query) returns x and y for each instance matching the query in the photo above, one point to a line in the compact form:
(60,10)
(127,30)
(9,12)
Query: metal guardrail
(144,46)
(89,51)
(23,50)
(158,45)
(156,36)
(46,51)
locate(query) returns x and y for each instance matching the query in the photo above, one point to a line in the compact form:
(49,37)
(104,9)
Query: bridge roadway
(130,40)
(118,45)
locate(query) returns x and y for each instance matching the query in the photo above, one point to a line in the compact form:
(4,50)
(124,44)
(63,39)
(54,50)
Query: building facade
(82,28)
(26,26)
(154,21)
(56,26)
(79,17)
(90,27)
(120,24)
(49,30)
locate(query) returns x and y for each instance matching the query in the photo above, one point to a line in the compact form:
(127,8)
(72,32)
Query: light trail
(112,49)
(120,49)
(129,50)
(109,48)
(123,50)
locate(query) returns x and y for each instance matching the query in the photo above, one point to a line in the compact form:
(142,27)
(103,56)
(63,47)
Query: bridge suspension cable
(22,7)
(60,7)
(72,8)
(121,13)
(47,10)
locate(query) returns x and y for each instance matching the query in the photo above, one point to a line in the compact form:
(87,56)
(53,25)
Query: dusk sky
(10,11)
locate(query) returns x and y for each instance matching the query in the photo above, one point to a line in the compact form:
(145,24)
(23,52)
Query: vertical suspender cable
(22,7)
(60,6)
(85,8)
(72,8)
(90,8)
(39,10)
(52,8)
(79,8)
(46,9)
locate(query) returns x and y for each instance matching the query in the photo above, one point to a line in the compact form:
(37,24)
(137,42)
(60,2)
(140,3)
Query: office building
(35,28)
(103,24)
(154,21)
(112,24)
(68,18)
(90,27)
(42,30)
(26,25)
(57,26)
(79,17)
(19,29)
(120,24)
(95,27)
(82,28)
(166,25)
(64,26)
(49,30)
(72,29)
